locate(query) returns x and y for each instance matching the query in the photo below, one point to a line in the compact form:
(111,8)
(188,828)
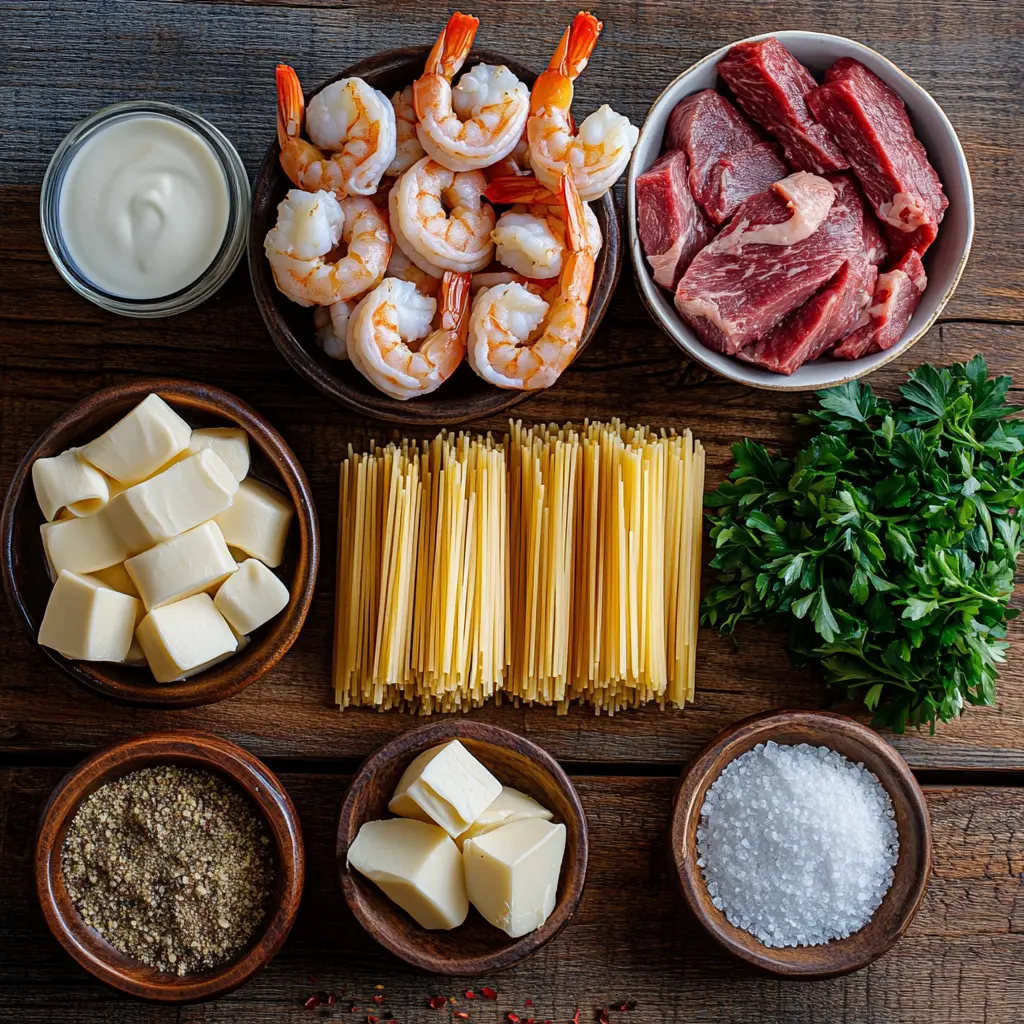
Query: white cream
(144,207)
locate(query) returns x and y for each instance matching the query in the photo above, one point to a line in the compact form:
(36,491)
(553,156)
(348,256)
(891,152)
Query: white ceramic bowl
(944,261)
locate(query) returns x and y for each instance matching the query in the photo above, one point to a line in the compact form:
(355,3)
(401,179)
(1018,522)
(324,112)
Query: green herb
(887,546)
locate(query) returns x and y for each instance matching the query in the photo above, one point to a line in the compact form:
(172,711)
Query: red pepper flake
(512,1018)
(603,1016)
(353,1008)
(529,1002)
(378,999)
(489,993)
(330,998)
(437,1002)
(576,1017)
(469,994)
(312,1002)
(530,1020)
(461,1014)
(371,1019)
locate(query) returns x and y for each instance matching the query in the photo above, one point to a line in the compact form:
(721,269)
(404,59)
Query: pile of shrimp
(391,230)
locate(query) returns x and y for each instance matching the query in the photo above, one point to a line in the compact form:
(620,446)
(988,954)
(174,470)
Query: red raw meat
(870,122)
(819,323)
(875,246)
(780,247)
(739,176)
(671,226)
(770,84)
(897,296)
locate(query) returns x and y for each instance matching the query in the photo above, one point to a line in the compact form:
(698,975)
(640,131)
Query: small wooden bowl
(195,750)
(859,744)
(27,583)
(476,947)
(465,396)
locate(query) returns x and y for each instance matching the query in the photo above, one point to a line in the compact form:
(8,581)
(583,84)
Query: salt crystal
(797,844)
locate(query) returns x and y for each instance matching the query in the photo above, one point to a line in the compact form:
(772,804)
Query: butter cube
(116,577)
(511,805)
(83,545)
(173,501)
(182,566)
(88,620)
(417,866)
(184,638)
(140,443)
(68,482)
(250,597)
(230,443)
(258,521)
(512,873)
(447,785)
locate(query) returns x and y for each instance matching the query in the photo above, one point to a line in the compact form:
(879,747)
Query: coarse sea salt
(797,844)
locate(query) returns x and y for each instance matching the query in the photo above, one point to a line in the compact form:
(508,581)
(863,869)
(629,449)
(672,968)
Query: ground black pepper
(172,866)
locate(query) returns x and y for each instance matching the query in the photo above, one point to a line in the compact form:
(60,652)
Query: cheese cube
(182,566)
(250,597)
(139,444)
(417,866)
(83,545)
(88,620)
(184,638)
(68,482)
(116,577)
(512,873)
(230,443)
(173,501)
(258,521)
(445,784)
(511,805)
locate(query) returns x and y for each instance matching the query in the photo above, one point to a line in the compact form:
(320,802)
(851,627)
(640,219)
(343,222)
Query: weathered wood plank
(631,939)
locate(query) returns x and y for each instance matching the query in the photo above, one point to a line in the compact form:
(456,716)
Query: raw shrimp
(348,117)
(309,226)
(597,155)
(391,318)
(482,119)
(504,319)
(409,149)
(331,323)
(404,269)
(441,219)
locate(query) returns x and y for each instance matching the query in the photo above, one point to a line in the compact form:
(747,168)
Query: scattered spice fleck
(489,993)
(379,988)
(452,1000)
(371,1019)
(353,1008)
(312,1002)
(602,1016)
(470,994)
(529,1002)
(330,998)
(437,1002)
(313,979)
(462,1015)
(576,1017)
(378,999)
(512,1018)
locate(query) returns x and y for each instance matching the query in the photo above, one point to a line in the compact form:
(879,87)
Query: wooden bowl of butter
(160,543)
(462,847)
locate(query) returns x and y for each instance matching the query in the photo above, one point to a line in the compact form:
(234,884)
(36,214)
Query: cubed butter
(447,785)
(183,638)
(230,443)
(173,501)
(68,482)
(116,576)
(512,873)
(251,596)
(511,805)
(88,620)
(83,545)
(182,566)
(137,445)
(258,521)
(417,866)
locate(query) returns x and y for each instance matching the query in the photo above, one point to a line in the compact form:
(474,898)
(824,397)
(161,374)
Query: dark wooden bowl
(27,584)
(476,947)
(465,396)
(195,750)
(858,743)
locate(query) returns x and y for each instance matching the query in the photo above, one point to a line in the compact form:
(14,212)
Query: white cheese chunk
(230,443)
(184,638)
(140,443)
(195,560)
(116,576)
(68,482)
(250,597)
(173,501)
(88,620)
(258,521)
(83,545)
(511,805)
(445,784)
(417,866)
(512,873)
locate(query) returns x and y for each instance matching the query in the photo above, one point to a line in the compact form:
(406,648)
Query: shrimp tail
(291,105)
(453,45)
(454,303)
(520,188)
(575,229)
(577,45)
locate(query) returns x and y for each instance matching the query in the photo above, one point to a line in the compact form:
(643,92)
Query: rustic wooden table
(630,943)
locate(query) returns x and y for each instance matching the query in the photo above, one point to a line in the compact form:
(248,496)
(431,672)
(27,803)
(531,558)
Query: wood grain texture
(961,962)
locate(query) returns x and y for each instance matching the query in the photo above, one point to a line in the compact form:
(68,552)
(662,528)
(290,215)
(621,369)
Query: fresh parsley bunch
(887,546)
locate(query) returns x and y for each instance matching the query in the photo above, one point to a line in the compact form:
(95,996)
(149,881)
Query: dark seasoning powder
(172,866)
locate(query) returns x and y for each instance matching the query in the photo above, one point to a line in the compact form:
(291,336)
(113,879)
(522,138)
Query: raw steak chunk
(875,247)
(870,122)
(671,226)
(739,176)
(780,247)
(770,84)
(896,298)
(819,323)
